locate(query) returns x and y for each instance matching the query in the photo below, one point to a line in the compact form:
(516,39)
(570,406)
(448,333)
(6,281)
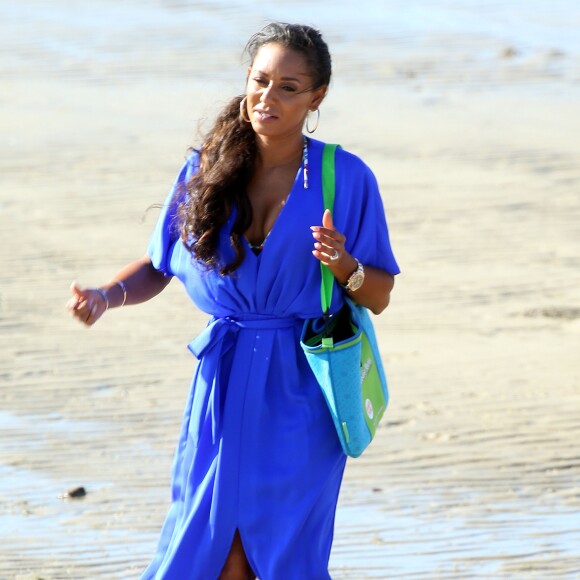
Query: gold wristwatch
(356,279)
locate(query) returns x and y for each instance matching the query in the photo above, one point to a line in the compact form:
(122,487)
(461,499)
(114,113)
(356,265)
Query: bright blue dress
(258,452)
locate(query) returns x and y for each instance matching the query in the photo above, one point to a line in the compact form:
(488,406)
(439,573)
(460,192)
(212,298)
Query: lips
(263,115)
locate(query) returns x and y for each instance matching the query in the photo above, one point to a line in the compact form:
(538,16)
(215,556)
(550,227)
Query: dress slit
(250,574)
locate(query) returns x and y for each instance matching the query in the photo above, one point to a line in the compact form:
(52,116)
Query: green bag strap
(328,191)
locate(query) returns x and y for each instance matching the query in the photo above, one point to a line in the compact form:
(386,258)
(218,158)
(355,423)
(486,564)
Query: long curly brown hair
(228,155)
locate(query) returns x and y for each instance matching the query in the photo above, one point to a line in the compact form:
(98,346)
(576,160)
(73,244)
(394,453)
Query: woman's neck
(274,153)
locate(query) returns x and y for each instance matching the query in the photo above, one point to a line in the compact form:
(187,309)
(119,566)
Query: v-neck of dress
(288,199)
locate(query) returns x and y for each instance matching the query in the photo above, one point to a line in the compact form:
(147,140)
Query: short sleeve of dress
(359,211)
(166,233)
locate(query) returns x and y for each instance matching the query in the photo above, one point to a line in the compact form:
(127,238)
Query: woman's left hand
(329,249)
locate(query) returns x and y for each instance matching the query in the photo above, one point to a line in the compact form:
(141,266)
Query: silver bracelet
(104,297)
(121,285)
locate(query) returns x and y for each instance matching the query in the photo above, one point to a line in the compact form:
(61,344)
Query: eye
(289,88)
(260,81)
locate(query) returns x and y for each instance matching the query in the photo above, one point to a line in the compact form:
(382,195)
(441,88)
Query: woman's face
(279,91)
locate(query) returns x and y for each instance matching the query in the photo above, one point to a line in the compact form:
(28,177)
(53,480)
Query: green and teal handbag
(343,354)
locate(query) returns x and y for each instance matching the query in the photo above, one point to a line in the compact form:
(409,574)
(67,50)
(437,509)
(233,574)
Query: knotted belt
(210,347)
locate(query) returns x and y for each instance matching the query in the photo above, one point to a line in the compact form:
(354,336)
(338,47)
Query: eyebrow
(283,78)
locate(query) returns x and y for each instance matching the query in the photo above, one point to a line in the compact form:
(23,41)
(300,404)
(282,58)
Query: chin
(274,130)
(265,130)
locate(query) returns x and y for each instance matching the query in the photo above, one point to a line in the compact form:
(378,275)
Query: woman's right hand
(137,282)
(86,305)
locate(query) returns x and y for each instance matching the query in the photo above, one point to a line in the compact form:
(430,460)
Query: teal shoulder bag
(343,354)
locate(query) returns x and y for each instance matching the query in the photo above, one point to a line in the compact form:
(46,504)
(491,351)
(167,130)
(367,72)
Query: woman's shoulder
(188,168)
(347,160)
(192,159)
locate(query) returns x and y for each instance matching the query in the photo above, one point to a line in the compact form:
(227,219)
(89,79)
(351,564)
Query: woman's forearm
(135,283)
(376,289)
(375,293)
(140,282)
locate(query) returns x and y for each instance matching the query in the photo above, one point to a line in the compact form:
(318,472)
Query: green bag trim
(373,398)
(328,343)
(345,431)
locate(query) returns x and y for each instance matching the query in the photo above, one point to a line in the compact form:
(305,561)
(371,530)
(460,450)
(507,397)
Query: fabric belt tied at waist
(210,346)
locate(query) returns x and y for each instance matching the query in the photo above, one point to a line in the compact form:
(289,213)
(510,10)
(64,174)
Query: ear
(317,97)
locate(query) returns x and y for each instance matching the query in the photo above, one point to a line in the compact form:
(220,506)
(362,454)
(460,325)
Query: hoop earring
(243,107)
(317,121)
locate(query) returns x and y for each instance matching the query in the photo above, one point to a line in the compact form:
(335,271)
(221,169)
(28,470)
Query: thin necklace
(305,161)
(257,248)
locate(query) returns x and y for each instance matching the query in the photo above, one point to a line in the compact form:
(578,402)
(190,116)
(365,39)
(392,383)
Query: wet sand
(475,470)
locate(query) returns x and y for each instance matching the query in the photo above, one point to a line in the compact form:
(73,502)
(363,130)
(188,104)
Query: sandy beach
(471,125)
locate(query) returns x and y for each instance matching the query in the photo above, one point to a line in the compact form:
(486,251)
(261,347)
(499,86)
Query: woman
(258,466)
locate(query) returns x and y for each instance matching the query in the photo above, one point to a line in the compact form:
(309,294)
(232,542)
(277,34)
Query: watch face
(356,281)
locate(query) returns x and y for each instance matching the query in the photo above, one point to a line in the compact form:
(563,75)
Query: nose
(267,94)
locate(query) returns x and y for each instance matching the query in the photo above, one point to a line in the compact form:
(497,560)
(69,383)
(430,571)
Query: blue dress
(258,452)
